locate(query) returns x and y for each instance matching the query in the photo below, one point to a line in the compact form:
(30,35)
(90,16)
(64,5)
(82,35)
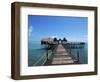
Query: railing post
(47,52)
(70,50)
(78,56)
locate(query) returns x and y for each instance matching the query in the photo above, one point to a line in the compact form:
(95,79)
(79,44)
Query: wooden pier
(60,54)
(61,57)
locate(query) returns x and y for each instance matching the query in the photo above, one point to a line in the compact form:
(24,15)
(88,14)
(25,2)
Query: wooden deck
(61,57)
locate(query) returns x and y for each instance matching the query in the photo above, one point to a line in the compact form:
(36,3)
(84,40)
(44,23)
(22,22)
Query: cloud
(54,36)
(30,30)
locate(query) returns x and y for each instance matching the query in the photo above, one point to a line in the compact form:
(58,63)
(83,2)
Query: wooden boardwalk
(61,56)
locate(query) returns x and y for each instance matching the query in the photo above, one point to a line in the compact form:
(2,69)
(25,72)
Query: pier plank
(61,56)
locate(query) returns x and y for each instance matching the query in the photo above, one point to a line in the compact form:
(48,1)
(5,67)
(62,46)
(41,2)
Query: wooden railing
(49,50)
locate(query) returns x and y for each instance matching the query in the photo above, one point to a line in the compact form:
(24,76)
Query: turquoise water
(83,54)
(35,52)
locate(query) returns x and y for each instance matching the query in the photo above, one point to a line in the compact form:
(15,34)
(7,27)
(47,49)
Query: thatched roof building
(47,40)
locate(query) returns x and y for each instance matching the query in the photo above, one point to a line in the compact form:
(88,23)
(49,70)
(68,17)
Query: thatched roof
(48,39)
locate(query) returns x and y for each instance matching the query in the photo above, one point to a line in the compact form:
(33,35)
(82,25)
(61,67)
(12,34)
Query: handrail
(40,59)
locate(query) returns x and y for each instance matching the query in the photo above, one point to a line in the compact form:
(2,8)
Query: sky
(72,28)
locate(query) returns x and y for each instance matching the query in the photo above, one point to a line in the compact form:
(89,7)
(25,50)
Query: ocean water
(83,54)
(36,53)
